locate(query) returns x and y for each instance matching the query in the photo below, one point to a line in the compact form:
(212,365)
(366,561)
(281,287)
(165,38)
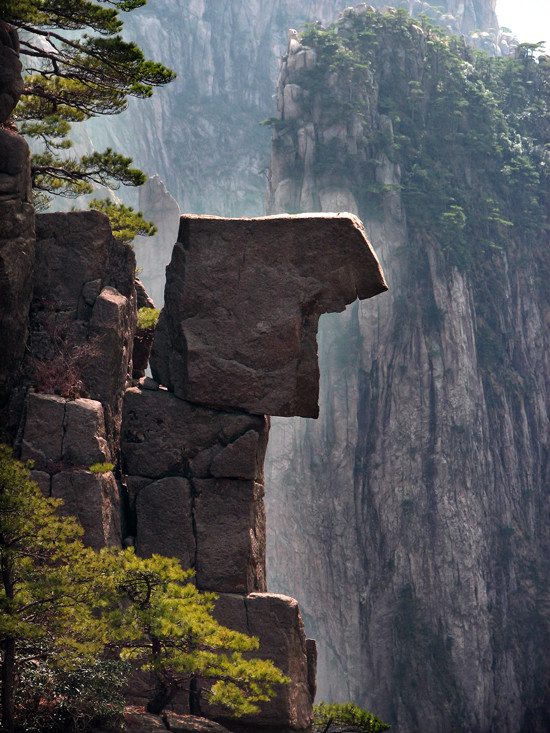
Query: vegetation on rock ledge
(470,132)
(64,606)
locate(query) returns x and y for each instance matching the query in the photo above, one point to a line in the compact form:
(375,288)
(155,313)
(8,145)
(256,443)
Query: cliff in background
(202,134)
(418,536)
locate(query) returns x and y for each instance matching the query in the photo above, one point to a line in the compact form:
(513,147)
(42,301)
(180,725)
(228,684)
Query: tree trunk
(164,694)
(8,686)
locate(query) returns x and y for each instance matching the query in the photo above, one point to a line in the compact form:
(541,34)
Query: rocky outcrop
(82,326)
(238,292)
(198,474)
(260,284)
(63,438)
(277,622)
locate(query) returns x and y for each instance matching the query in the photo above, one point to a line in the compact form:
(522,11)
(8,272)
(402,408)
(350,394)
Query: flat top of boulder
(323,241)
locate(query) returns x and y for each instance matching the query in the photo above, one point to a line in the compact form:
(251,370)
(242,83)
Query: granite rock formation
(198,474)
(276,620)
(242,302)
(190,478)
(83,325)
(196,469)
(418,538)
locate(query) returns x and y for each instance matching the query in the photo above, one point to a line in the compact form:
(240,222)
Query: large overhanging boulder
(242,303)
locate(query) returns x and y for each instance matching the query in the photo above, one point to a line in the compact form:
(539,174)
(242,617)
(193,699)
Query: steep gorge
(411,520)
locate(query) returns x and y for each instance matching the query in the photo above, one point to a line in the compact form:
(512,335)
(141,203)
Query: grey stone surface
(43,481)
(93,498)
(191,724)
(84,433)
(242,302)
(165,520)
(241,459)
(163,435)
(277,622)
(58,430)
(230,529)
(43,432)
(85,320)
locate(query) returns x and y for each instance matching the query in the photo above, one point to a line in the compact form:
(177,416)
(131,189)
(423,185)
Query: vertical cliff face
(411,520)
(202,135)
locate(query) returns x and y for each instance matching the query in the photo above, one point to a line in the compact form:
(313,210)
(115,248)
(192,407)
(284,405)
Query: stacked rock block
(63,438)
(235,341)
(195,487)
(68,402)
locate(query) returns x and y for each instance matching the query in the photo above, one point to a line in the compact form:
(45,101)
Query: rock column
(235,341)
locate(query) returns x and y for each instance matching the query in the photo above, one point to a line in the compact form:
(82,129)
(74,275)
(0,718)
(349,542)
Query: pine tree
(65,605)
(78,66)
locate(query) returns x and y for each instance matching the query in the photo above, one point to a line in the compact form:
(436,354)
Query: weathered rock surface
(191,724)
(230,525)
(138,721)
(164,520)
(58,430)
(93,498)
(82,325)
(17,249)
(165,436)
(61,435)
(242,302)
(276,621)
(197,473)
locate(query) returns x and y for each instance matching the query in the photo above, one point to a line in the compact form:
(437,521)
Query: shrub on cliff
(63,605)
(345,718)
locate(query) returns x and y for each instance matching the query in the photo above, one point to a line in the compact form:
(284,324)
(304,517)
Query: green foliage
(169,629)
(147,318)
(471,133)
(63,605)
(125,222)
(55,700)
(345,718)
(78,66)
(101,467)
